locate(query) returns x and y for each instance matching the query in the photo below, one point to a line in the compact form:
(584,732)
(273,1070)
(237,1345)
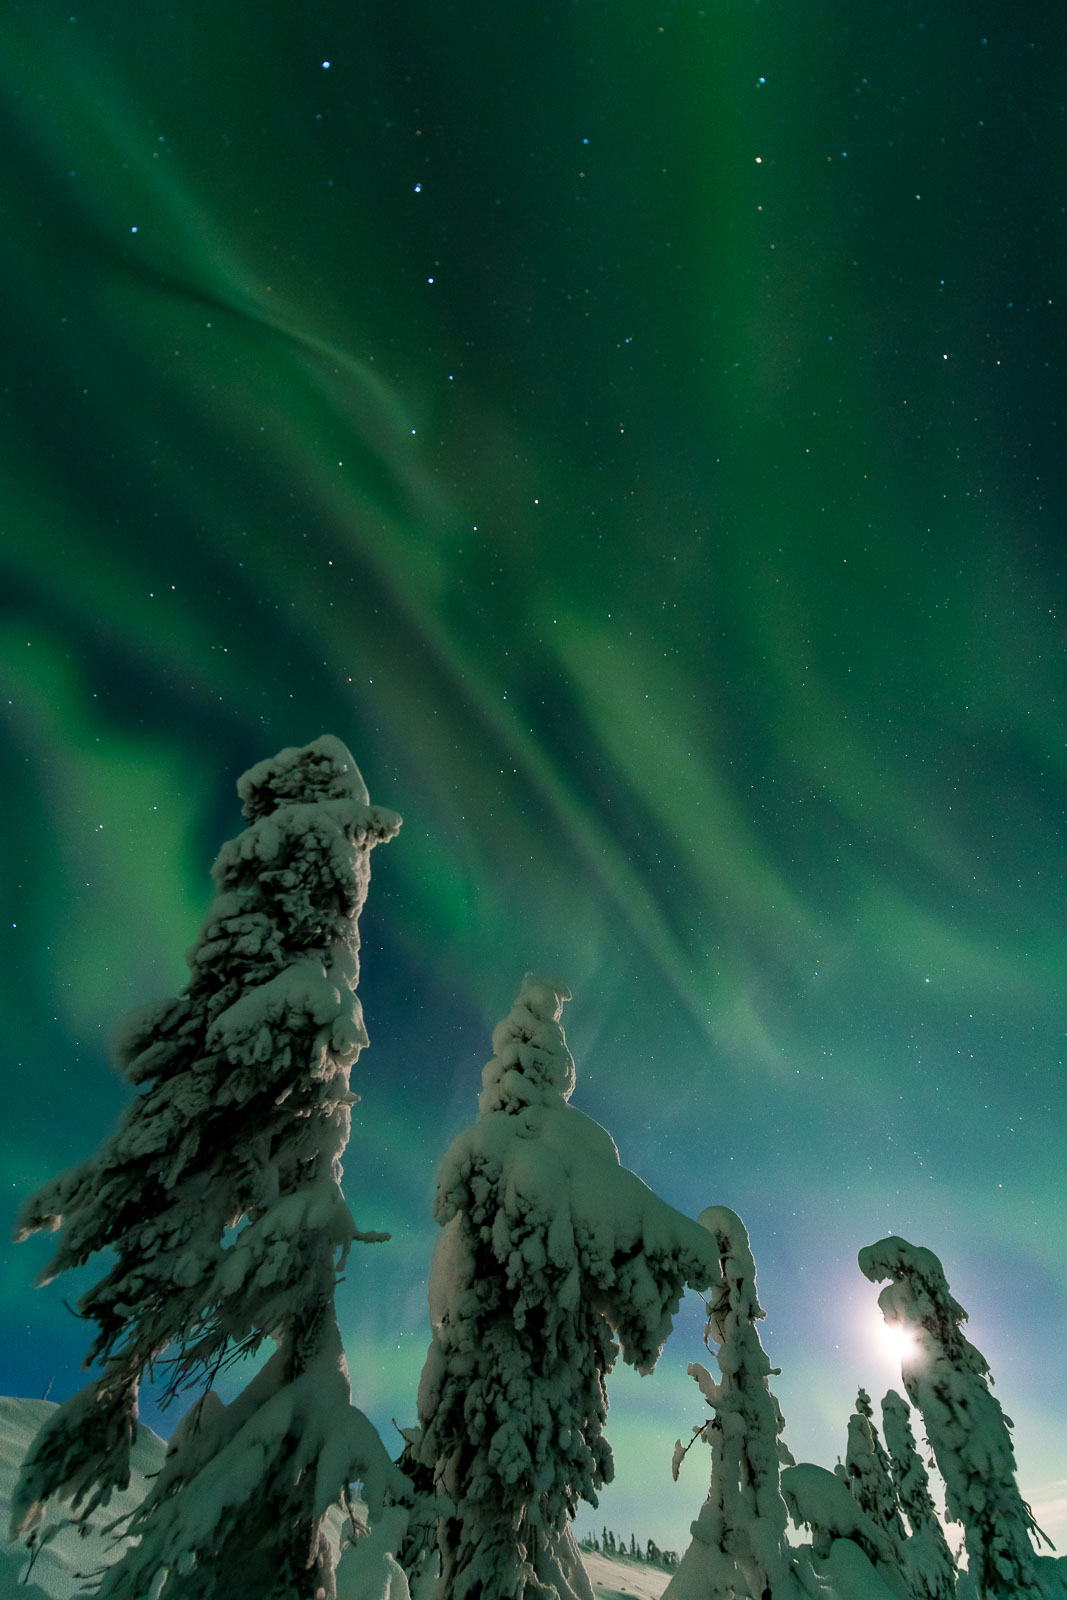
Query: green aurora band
(637,431)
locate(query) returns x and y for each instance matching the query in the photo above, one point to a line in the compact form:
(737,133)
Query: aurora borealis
(637,430)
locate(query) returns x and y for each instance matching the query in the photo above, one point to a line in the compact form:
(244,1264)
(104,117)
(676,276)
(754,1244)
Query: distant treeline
(609,1545)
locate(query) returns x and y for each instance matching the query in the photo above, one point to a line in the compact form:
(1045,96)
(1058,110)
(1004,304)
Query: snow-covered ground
(60,1568)
(624,1580)
(65,1560)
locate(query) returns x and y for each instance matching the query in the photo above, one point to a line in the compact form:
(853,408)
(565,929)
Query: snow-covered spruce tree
(739,1544)
(928,1562)
(947,1380)
(548,1245)
(867,1470)
(243,1113)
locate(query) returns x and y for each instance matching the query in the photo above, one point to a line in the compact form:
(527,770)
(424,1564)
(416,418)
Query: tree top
(325,769)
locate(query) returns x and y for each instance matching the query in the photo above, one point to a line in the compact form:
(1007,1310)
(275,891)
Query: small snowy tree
(739,1544)
(548,1245)
(849,1552)
(867,1470)
(948,1380)
(243,1113)
(928,1561)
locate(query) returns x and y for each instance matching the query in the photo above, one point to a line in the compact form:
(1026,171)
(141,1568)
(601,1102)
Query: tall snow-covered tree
(739,1545)
(242,1114)
(867,1470)
(548,1246)
(948,1380)
(928,1562)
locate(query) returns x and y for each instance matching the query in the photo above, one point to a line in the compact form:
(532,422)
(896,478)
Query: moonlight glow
(897,1342)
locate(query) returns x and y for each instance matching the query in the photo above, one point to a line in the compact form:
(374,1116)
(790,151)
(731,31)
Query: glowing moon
(897,1341)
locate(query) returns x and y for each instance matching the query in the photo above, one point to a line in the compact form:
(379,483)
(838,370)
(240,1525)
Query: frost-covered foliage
(548,1245)
(739,1545)
(821,1501)
(867,1470)
(242,1114)
(947,1379)
(928,1561)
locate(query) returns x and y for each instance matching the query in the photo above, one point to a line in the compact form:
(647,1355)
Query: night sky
(637,430)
